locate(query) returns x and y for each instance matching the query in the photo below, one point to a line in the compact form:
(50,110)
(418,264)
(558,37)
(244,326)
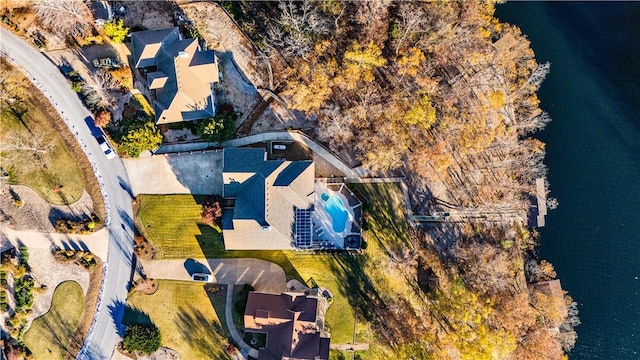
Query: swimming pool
(334,206)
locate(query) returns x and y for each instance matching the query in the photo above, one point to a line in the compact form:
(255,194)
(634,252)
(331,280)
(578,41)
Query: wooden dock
(541,197)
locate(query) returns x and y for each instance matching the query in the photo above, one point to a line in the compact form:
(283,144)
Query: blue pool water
(335,207)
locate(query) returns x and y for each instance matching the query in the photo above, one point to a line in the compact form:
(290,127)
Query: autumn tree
(123,76)
(139,138)
(103,118)
(421,113)
(212,210)
(68,17)
(468,332)
(116,30)
(311,87)
(412,20)
(359,63)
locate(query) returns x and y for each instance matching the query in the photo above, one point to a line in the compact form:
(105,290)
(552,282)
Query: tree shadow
(126,218)
(199,171)
(355,284)
(210,241)
(200,333)
(56,214)
(117,311)
(126,251)
(53,322)
(125,186)
(387,220)
(135,316)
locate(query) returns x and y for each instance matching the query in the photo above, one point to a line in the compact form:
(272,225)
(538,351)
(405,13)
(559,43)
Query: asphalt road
(106,330)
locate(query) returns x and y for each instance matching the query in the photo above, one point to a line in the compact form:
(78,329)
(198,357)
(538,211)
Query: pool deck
(323,234)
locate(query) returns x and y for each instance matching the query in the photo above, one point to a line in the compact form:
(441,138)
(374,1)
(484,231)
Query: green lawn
(49,335)
(173,224)
(27,118)
(191,321)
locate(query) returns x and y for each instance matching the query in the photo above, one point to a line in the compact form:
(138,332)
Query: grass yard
(172,223)
(27,119)
(49,335)
(190,320)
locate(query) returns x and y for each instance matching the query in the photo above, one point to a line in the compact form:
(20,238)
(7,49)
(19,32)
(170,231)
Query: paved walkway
(301,138)
(97,243)
(350,347)
(320,150)
(262,275)
(232,329)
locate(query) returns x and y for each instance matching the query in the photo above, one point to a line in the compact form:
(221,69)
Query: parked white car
(280,147)
(106,147)
(202,277)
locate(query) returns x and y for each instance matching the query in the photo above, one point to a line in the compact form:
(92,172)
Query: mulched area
(36,213)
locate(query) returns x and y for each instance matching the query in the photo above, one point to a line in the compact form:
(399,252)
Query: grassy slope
(174,230)
(49,335)
(190,322)
(141,103)
(61,167)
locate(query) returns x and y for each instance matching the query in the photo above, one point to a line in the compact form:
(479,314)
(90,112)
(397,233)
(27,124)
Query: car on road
(280,147)
(106,147)
(202,277)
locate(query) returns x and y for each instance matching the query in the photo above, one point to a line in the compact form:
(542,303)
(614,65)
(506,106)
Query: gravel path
(36,213)
(47,271)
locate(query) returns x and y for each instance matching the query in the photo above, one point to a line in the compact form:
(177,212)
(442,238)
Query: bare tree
(299,22)
(533,123)
(412,20)
(535,79)
(71,17)
(17,147)
(98,94)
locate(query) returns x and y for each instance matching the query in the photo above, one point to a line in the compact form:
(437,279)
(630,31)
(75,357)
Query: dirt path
(36,213)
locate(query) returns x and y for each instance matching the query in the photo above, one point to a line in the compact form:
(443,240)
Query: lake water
(593,155)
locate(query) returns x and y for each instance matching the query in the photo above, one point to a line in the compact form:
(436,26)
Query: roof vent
(183,54)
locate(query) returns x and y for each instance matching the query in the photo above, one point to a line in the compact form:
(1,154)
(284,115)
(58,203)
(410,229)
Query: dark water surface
(593,155)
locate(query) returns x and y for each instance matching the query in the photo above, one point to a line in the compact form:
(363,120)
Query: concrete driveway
(262,275)
(198,172)
(97,243)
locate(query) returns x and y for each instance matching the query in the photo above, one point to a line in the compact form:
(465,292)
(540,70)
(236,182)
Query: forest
(444,94)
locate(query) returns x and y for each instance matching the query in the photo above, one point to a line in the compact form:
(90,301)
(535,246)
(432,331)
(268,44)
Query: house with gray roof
(179,72)
(273,201)
(293,324)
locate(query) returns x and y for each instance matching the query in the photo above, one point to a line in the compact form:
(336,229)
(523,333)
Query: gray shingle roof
(146,45)
(291,172)
(267,194)
(186,93)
